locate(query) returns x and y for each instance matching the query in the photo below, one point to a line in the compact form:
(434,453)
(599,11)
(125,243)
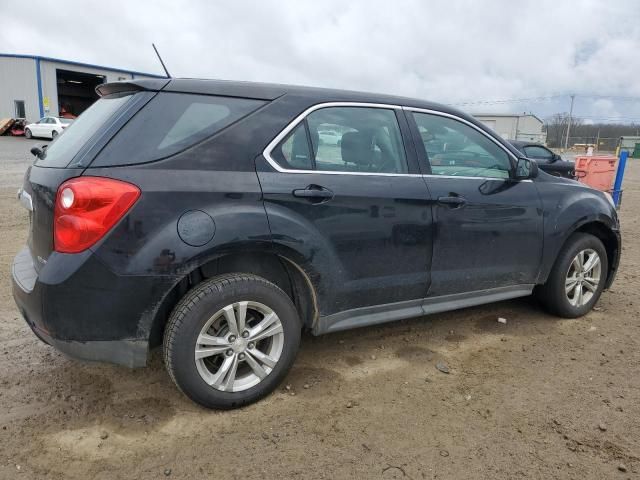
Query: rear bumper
(83,309)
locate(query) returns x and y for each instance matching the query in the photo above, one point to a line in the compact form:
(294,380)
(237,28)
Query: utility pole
(566,140)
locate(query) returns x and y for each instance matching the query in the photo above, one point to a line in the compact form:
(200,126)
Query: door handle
(452,201)
(314,193)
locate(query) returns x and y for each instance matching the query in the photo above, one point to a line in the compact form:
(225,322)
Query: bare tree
(556,128)
(606,134)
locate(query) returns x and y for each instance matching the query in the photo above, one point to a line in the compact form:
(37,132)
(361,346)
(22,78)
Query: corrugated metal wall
(503,126)
(525,127)
(18,82)
(50,88)
(530,129)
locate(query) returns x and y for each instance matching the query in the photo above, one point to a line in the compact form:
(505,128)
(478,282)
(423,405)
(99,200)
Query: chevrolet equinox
(215,219)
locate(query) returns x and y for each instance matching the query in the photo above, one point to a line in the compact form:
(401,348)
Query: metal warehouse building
(526,127)
(32,86)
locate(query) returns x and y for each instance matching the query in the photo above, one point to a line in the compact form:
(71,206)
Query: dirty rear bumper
(83,309)
(129,353)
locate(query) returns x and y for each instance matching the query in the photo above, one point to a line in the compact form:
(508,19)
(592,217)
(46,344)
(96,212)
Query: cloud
(447,51)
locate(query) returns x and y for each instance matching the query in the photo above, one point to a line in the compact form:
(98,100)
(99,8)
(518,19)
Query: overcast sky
(447,51)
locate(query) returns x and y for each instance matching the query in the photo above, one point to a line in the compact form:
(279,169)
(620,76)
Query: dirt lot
(539,397)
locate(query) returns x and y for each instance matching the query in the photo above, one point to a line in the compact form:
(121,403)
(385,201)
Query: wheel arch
(285,271)
(610,241)
(602,229)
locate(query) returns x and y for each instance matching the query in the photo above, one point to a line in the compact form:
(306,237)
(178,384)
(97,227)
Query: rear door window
(294,152)
(345,139)
(169,124)
(357,139)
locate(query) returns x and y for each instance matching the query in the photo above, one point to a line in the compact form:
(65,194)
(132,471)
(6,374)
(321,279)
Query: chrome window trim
(296,121)
(435,175)
(274,143)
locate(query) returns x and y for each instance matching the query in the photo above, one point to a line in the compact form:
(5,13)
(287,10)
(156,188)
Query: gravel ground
(537,397)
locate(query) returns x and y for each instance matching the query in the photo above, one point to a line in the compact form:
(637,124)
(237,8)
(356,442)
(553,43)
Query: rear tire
(27,133)
(577,278)
(54,134)
(231,340)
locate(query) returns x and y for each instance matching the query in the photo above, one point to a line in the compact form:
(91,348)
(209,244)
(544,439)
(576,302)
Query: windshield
(60,152)
(65,121)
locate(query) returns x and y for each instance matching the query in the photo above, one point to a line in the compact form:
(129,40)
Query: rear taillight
(86,208)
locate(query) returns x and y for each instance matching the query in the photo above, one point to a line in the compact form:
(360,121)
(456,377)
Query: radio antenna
(161,62)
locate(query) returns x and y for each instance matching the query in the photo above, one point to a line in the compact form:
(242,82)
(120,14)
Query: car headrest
(356,148)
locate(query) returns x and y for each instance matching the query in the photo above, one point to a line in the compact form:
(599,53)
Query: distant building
(630,144)
(525,127)
(32,86)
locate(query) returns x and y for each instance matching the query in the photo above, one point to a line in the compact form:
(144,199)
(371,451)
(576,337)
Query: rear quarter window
(60,152)
(169,124)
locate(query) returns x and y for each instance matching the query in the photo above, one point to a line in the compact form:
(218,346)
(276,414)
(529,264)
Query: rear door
(488,226)
(356,205)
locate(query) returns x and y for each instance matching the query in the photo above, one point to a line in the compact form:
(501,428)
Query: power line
(616,97)
(541,99)
(588,117)
(507,100)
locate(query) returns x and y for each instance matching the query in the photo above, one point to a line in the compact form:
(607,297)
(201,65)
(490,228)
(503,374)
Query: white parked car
(47,127)
(329,137)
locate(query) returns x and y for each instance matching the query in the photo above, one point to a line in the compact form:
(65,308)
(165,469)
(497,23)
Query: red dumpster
(597,171)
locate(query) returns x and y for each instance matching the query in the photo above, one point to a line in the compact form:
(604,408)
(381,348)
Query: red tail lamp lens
(86,208)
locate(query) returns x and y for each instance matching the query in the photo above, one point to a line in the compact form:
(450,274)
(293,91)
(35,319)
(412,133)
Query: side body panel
(370,244)
(488,232)
(494,240)
(568,206)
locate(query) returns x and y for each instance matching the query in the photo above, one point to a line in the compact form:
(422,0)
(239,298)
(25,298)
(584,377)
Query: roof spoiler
(153,85)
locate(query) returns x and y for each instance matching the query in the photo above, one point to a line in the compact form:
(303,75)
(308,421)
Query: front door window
(456,149)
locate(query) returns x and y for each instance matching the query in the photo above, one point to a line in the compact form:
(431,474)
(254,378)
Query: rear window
(60,152)
(170,123)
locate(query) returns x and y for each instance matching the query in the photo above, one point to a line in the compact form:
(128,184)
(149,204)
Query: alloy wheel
(583,277)
(239,346)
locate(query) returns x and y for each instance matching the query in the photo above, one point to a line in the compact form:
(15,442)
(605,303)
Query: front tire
(231,340)
(577,278)
(54,134)
(27,133)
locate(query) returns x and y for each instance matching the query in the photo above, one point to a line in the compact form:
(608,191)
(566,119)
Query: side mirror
(36,152)
(556,157)
(526,169)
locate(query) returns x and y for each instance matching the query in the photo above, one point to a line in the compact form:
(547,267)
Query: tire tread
(552,295)
(213,286)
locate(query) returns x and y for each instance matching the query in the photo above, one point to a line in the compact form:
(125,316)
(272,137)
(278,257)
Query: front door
(488,226)
(341,188)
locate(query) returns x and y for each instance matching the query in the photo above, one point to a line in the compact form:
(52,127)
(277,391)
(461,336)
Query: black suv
(547,160)
(207,216)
